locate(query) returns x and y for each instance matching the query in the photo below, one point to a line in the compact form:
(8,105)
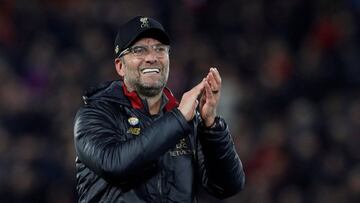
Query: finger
(199,87)
(196,104)
(211,79)
(203,99)
(208,91)
(216,75)
(215,87)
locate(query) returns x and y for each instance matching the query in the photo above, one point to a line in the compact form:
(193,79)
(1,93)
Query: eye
(160,49)
(139,50)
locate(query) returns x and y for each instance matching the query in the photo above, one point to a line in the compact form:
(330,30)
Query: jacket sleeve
(102,148)
(220,168)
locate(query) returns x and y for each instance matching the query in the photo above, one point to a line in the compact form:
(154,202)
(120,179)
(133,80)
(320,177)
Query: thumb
(198,88)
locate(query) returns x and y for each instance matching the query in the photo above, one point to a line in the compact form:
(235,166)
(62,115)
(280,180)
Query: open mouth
(150,70)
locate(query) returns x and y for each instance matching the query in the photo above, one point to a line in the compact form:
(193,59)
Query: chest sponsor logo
(181,149)
(133,131)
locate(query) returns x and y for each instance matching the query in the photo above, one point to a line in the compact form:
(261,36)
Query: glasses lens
(160,50)
(139,50)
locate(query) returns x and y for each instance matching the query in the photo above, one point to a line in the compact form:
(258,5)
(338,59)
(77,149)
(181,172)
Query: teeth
(149,70)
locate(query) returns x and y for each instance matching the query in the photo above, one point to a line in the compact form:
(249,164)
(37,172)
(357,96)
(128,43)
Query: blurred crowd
(291,84)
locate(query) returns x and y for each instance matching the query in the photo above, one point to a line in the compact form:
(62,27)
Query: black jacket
(124,154)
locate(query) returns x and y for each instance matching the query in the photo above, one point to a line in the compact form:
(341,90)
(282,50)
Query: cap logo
(144,22)
(117,49)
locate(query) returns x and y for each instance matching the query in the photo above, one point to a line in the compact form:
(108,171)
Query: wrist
(217,125)
(210,123)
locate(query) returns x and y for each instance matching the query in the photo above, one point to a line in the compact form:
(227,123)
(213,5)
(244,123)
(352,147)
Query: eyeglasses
(141,51)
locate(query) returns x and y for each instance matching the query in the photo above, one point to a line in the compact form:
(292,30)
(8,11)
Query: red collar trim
(137,103)
(133,97)
(172,103)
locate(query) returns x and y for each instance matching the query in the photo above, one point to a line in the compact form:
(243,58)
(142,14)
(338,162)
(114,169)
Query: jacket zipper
(147,123)
(160,186)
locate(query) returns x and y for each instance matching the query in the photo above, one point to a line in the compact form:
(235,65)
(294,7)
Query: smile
(150,70)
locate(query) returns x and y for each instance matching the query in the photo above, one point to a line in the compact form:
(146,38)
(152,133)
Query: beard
(149,90)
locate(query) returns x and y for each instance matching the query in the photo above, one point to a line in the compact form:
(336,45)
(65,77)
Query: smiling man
(136,143)
(144,72)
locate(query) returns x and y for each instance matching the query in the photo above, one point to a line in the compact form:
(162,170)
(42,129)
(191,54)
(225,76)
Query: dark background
(291,77)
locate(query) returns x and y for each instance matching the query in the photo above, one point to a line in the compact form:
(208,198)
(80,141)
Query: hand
(211,97)
(189,101)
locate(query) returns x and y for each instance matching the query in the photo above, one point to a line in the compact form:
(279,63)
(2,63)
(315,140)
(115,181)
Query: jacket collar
(137,102)
(116,91)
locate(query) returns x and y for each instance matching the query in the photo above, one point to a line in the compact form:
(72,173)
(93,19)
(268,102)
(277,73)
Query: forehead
(147,41)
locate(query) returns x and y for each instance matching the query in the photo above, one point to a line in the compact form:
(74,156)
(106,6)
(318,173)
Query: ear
(119,66)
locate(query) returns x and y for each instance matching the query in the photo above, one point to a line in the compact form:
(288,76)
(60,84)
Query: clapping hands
(209,89)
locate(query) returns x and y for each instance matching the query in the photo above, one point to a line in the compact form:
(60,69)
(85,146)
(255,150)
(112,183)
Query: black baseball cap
(137,28)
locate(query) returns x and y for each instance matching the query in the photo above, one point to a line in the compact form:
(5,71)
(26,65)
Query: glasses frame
(147,48)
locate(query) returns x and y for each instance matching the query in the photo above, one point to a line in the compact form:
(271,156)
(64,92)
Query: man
(135,143)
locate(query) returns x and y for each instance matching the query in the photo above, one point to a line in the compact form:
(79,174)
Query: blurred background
(291,81)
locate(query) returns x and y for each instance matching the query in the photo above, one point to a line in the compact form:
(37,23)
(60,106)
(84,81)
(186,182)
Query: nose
(151,57)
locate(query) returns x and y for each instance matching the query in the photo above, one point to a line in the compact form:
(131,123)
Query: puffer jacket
(124,154)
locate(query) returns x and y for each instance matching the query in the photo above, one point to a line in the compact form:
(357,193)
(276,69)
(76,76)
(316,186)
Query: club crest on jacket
(134,128)
(133,121)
